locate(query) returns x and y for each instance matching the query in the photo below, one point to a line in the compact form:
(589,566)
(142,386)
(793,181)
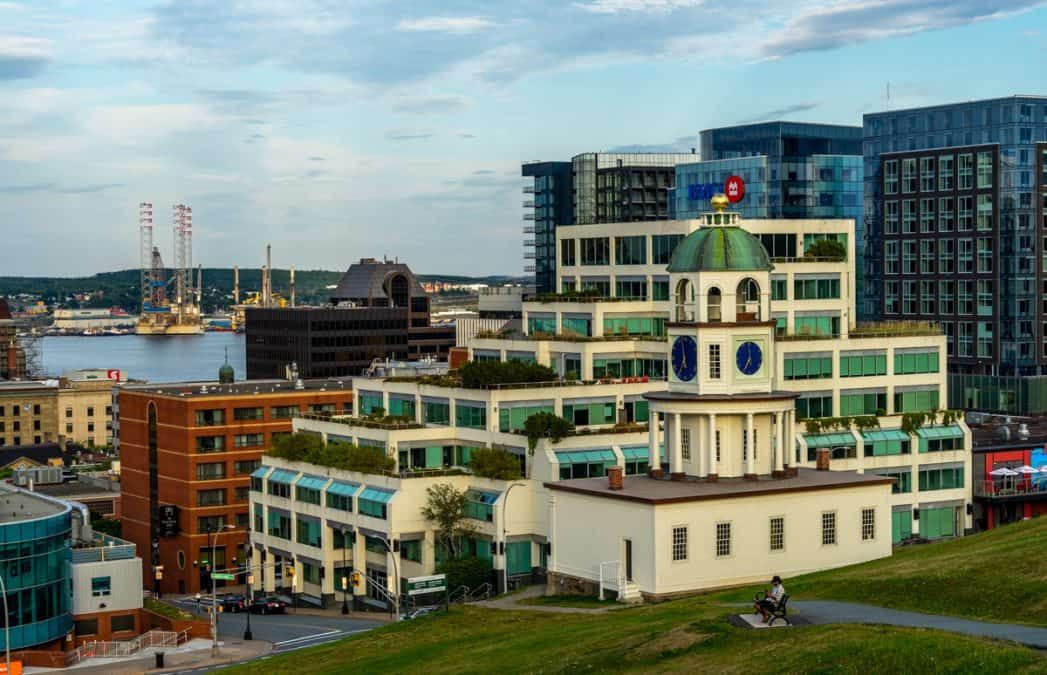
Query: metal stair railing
(481,592)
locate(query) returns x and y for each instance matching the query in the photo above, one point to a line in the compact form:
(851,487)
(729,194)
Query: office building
(594,187)
(75,408)
(954,205)
(28,412)
(73,585)
(745,399)
(1010,469)
(187,452)
(377,311)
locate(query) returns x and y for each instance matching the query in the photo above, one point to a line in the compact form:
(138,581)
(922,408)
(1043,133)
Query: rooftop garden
(336,454)
(569,336)
(376,420)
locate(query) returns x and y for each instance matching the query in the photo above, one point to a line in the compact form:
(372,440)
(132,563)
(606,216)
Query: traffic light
(290,571)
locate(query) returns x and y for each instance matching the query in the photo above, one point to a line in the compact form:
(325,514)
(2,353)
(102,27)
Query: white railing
(611,577)
(98,649)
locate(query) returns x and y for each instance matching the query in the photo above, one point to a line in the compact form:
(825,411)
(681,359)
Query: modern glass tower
(956,220)
(547,201)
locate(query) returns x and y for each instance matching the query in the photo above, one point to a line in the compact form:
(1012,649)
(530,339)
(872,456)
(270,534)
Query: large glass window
(909,175)
(817,325)
(589,413)
(567,253)
(946,171)
(907,363)
(630,288)
(909,216)
(436,411)
(984,218)
(966,172)
(307,531)
(248,414)
(933,478)
(966,257)
(890,217)
(984,170)
(984,255)
(248,440)
(205,444)
(863,403)
(814,405)
(863,364)
(807,367)
(211,471)
(470,415)
(630,250)
(654,326)
(209,418)
(919,400)
(662,246)
(816,288)
(890,177)
(511,417)
(595,251)
(927,182)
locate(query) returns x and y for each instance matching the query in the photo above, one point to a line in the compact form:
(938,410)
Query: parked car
(233,603)
(268,605)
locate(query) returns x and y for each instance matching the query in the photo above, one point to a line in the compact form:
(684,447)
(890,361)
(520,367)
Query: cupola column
(676,468)
(750,445)
(712,447)
(780,442)
(654,460)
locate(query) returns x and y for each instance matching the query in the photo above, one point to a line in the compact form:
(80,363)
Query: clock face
(685,358)
(749,358)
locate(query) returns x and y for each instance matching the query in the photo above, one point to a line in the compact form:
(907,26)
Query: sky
(341,129)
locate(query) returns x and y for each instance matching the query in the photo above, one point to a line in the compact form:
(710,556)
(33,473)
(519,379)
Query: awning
(885,435)
(940,432)
(483,497)
(260,472)
(344,489)
(282,476)
(829,440)
(580,456)
(314,482)
(636,453)
(377,495)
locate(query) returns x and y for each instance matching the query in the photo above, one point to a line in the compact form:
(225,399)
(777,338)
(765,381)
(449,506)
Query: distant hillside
(121,288)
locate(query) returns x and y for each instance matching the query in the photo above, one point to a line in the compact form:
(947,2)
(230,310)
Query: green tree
(477,374)
(494,463)
(105,525)
(470,572)
(826,248)
(545,425)
(445,507)
(296,447)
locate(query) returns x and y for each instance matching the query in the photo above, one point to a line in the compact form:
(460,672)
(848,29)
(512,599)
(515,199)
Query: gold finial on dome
(720,202)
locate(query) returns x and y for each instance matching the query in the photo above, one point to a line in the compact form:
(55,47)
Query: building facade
(28,412)
(547,203)
(964,181)
(187,453)
(377,311)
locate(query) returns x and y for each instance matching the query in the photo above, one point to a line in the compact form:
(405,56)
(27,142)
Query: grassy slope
(999,575)
(993,576)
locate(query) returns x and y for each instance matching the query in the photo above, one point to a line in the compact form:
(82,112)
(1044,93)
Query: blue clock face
(685,358)
(749,357)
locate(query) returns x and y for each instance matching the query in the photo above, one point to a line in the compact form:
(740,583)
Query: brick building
(187,452)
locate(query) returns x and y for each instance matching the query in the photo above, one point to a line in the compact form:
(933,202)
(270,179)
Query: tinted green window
(473,417)
(307,495)
(915,362)
(941,479)
(630,250)
(779,289)
(367,403)
(816,289)
(512,419)
(402,407)
(662,246)
(541,325)
(814,406)
(307,531)
(634,326)
(411,550)
(817,325)
(862,365)
(937,523)
(660,290)
(903,480)
(589,413)
(915,401)
(862,403)
(628,368)
(901,526)
(576,326)
(436,412)
(808,367)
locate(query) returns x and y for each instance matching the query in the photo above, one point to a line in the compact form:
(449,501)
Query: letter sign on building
(734,188)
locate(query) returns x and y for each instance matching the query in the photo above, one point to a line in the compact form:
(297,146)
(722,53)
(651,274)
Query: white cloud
(619,6)
(446,24)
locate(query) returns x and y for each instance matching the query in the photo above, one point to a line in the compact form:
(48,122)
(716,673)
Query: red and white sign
(734,188)
(113,375)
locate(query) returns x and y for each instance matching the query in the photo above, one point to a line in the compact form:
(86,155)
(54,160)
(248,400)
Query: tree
(545,425)
(826,248)
(445,507)
(105,525)
(470,572)
(477,374)
(296,447)
(337,454)
(494,463)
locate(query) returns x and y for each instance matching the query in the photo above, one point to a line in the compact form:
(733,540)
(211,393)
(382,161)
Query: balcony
(528,189)
(528,204)
(528,216)
(101,548)
(346,417)
(528,229)
(1012,489)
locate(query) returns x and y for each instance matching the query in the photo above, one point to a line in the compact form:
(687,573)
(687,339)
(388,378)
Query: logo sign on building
(113,375)
(701,191)
(734,188)
(168,520)
(434,583)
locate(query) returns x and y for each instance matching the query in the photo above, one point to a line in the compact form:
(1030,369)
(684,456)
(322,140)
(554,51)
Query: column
(790,440)
(712,447)
(654,462)
(360,563)
(698,450)
(267,577)
(780,442)
(676,467)
(429,552)
(750,438)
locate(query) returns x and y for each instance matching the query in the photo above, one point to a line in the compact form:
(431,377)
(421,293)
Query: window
(966,174)
(210,418)
(714,362)
(122,623)
(436,412)
(86,626)
(246,466)
(965,214)
(862,402)
(890,177)
(984,214)
(814,405)
(828,528)
(778,533)
(816,288)
(717,445)
(908,297)
(662,246)
(966,257)
(940,478)
(927,181)
(205,444)
(723,540)
(308,495)
(567,253)
(588,412)
(207,524)
(927,222)
(946,168)
(890,217)
(909,256)
(917,400)
(307,531)
(630,250)
(630,288)
(984,170)
(909,216)
(907,363)
(278,488)
(283,412)
(946,215)
(279,524)
(779,288)
(210,497)
(471,416)
(245,414)
(816,325)
(946,256)
(685,444)
(862,364)
(868,524)
(211,471)
(890,257)
(679,543)
(101,586)
(242,494)
(807,366)
(595,251)
(909,175)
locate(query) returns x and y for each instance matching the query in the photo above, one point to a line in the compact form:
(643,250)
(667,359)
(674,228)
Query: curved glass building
(35,558)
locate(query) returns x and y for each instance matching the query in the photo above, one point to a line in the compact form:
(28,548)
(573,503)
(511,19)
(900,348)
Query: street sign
(434,583)
(222,576)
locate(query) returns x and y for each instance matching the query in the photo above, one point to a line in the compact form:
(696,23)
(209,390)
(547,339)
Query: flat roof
(991,435)
(244,387)
(74,489)
(752,396)
(663,491)
(18,505)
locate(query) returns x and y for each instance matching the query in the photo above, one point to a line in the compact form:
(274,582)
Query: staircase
(630,594)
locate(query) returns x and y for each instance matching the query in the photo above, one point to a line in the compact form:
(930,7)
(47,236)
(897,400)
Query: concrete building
(378,311)
(187,453)
(85,406)
(28,412)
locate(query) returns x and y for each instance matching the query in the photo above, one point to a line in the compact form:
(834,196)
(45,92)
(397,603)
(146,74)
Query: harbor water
(179,358)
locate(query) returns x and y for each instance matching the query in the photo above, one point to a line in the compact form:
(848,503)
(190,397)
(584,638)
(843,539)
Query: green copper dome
(719,249)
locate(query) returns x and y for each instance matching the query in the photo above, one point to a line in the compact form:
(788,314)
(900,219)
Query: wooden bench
(779,611)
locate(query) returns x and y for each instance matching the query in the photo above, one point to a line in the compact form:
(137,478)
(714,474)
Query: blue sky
(344,129)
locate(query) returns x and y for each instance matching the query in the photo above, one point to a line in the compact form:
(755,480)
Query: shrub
(826,248)
(337,454)
(469,572)
(545,425)
(494,463)
(476,374)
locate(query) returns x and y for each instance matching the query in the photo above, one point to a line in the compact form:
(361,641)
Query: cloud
(408,134)
(23,57)
(26,188)
(88,189)
(466,135)
(441,103)
(617,6)
(779,113)
(314,158)
(457,25)
(484,172)
(681,144)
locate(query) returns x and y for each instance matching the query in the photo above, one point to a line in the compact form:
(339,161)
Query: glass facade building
(957,226)
(547,201)
(35,554)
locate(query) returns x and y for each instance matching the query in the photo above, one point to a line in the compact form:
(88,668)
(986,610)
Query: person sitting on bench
(770,599)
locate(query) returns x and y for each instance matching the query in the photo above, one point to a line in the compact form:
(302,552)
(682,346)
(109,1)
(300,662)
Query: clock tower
(721,348)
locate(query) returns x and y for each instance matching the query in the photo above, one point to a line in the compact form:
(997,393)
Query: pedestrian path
(512,602)
(826,612)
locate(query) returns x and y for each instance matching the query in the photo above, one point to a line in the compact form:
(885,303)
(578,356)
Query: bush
(337,455)
(494,463)
(469,572)
(545,425)
(476,374)
(826,248)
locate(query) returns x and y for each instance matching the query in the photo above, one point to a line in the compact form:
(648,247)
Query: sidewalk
(188,603)
(512,602)
(194,654)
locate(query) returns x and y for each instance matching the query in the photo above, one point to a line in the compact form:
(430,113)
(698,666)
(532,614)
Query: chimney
(823,459)
(614,477)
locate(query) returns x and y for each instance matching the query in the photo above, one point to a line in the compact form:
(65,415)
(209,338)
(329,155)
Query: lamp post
(345,580)
(7,626)
(250,582)
(505,543)
(396,574)
(214,596)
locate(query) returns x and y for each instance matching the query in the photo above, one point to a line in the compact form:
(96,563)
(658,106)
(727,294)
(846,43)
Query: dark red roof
(5,311)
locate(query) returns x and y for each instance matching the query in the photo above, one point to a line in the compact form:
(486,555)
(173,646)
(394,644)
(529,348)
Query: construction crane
(164,312)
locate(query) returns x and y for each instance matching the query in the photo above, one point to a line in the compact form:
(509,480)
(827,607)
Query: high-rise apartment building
(955,213)
(594,187)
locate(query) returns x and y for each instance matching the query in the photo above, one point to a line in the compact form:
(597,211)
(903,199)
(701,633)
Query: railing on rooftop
(346,417)
(547,298)
(1009,486)
(877,329)
(103,547)
(568,337)
(808,259)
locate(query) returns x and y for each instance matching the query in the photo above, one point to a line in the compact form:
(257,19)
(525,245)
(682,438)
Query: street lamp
(505,543)
(345,580)
(214,597)
(250,599)
(396,574)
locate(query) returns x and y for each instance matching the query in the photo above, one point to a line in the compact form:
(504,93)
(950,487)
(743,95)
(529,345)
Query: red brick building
(187,451)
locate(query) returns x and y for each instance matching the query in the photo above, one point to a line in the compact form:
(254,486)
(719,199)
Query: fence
(126,648)
(1011,487)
